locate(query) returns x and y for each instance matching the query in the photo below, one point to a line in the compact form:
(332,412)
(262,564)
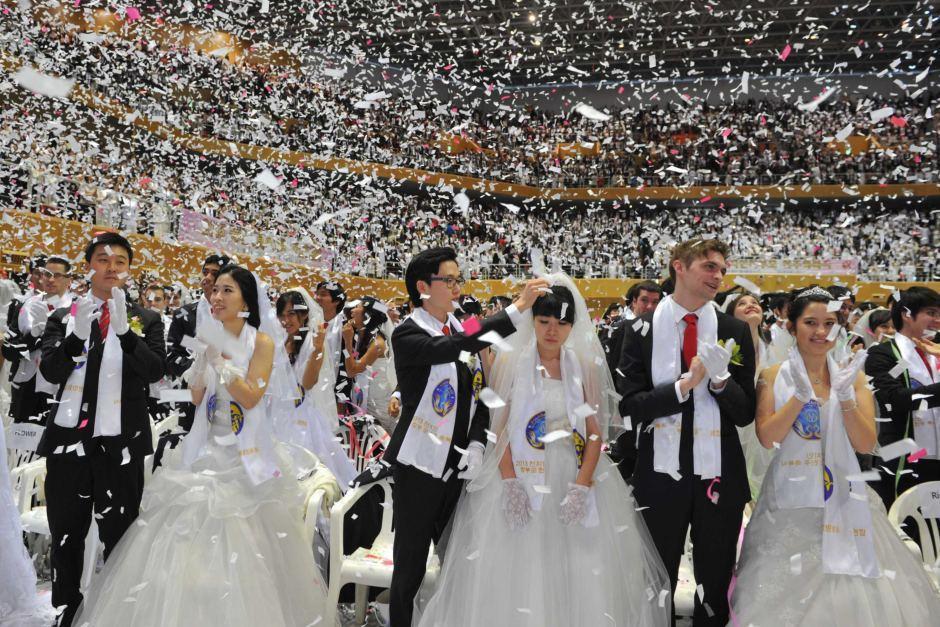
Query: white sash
(666,368)
(528,424)
(250,426)
(810,470)
(108,407)
(427,441)
(926,421)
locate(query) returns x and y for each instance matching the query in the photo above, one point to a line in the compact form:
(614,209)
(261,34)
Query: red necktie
(690,338)
(446,329)
(104,322)
(926,361)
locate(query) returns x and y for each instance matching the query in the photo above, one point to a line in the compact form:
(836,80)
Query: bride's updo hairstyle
(559,303)
(249,289)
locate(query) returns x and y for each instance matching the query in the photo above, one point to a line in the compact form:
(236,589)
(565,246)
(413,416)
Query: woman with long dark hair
(366,339)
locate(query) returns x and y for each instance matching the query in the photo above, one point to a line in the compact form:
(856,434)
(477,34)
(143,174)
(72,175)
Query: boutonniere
(735,353)
(136,325)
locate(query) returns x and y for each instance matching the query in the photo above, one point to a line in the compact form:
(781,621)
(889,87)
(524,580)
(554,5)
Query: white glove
(516,506)
(195,375)
(117,307)
(84,314)
(574,507)
(843,379)
(716,358)
(471,462)
(802,389)
(39,314)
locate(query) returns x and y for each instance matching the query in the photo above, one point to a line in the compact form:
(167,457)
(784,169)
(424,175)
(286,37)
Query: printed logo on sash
(915,384)
(210,407)
(303,394)
(82,362)
(357,397)
(238,417)
(535,431)
(828,483)
(578,446)
(443,398)
(807,424)
(477,383)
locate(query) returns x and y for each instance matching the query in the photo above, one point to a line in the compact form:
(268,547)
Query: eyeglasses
(450,281)
(53,275)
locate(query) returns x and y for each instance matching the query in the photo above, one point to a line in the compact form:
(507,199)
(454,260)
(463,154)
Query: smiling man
(686,389)
(101,353)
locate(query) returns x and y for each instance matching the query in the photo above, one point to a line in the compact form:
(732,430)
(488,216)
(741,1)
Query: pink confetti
(471,326)
(916,455)
(898,121)
(83,424)
(785,53)
(713,496)
(725,133)
(132,14)
(704,198)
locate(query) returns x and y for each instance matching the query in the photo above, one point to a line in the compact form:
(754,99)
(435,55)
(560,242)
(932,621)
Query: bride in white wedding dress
(219,538)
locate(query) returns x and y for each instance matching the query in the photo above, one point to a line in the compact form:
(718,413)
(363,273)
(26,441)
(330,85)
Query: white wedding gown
(19,603)
(781,583)
(210,548)
(549,574)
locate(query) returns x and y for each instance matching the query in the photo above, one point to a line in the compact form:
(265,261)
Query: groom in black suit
(441,435)
(95,455)
(674,495)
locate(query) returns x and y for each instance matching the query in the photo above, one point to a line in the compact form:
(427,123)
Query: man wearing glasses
(31,392)
(185,322)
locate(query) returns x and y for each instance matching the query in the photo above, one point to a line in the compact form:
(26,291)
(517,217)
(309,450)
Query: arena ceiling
(531,43)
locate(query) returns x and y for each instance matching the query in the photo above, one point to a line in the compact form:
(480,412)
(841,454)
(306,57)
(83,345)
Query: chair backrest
(364,439)
(28,481)
(908,505)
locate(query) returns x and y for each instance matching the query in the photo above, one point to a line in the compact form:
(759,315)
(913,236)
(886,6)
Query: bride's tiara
(815,291)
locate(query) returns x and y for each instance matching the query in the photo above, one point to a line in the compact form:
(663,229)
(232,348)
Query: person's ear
(791,328)
(423,287)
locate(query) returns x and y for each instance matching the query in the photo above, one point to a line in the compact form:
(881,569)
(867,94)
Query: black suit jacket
(894,393)
(644,402)
(178,359)
(142,365)
(415,352)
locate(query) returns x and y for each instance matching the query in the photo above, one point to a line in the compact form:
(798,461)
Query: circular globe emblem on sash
(303,394)
(238,417)
(210,407)
(578,446)
(80,364)
(807,424)
(535,431)
(916,384)
(443,398)
(828,484)
(477,383)
(357,396)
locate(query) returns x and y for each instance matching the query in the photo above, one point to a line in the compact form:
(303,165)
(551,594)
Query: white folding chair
(371,567)
(908,505)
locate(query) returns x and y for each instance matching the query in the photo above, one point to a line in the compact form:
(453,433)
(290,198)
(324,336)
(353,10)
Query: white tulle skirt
(549,574)
(756,457)
(780,580)
(209,548)
(19,603)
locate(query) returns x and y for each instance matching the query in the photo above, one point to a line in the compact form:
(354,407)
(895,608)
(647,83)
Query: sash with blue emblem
(529,425)
(427,441)
(812,469)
